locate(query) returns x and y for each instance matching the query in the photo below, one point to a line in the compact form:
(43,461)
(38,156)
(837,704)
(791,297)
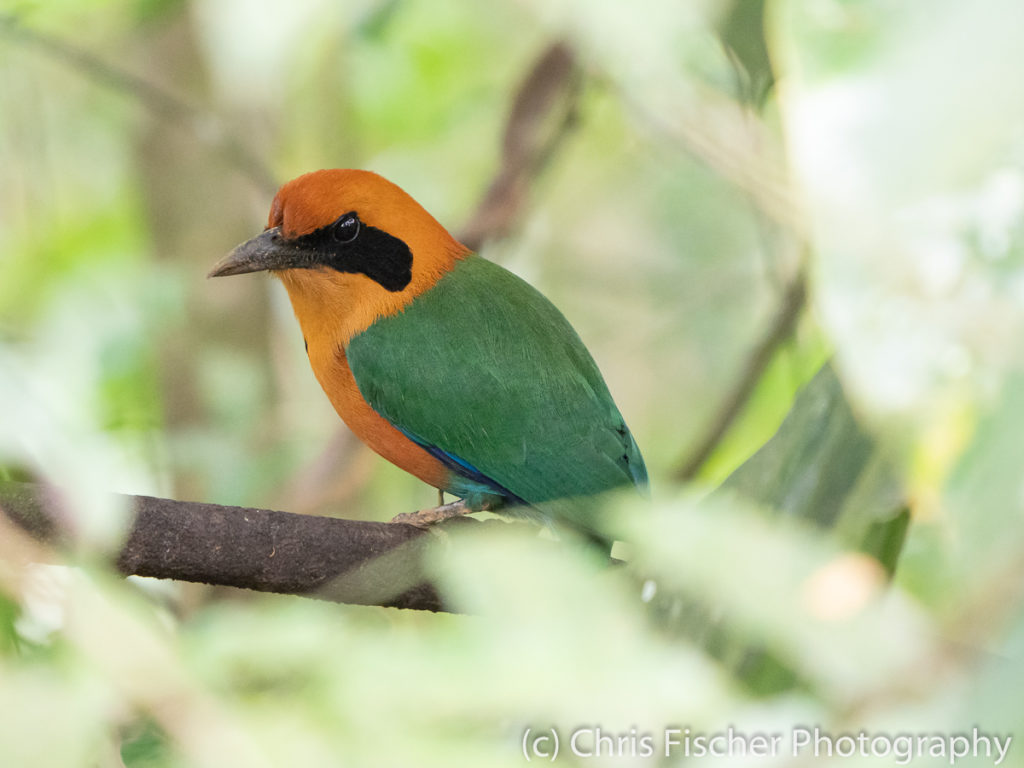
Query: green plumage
(485,370)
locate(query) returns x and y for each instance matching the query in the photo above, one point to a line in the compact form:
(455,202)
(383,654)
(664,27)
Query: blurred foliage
(714,143)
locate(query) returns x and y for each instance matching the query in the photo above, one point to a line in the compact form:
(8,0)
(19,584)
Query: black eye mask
(349,245)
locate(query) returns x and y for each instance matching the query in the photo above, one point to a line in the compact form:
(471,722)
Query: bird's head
(347,237)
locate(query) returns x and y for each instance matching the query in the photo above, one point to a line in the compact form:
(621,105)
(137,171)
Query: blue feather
(478,483)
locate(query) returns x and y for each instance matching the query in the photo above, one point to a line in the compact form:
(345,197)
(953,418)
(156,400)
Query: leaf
(822,467)
(820,470)
(742,31)
(915,199)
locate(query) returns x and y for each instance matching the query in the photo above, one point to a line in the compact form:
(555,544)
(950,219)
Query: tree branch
(779,329)
(542,113)
(201,124)
(345,561)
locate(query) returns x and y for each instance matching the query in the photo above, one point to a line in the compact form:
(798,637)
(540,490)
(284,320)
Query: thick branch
(347,561)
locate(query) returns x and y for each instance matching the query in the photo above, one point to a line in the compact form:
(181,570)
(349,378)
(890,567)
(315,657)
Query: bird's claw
(425,518)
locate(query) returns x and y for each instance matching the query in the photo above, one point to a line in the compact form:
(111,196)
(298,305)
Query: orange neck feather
(332,307)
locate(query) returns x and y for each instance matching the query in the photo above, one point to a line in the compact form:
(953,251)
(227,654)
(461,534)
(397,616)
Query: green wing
(485,370)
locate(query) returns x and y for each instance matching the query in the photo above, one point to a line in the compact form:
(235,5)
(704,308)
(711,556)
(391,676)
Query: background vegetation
(720,195)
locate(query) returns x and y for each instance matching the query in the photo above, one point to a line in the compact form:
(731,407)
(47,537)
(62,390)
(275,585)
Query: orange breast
(332,371)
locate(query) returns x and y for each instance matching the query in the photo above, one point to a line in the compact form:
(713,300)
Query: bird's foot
(424,518)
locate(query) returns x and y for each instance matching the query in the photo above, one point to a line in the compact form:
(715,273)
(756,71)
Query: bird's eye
(346,229)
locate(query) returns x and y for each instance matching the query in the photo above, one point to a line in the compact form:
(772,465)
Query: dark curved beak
(268,250)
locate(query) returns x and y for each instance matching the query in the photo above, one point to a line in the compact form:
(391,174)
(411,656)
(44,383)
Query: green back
(488,371)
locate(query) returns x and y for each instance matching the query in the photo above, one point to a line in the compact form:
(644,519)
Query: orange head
(349,246)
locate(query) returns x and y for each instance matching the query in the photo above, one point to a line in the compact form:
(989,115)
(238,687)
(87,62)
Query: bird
(446,364)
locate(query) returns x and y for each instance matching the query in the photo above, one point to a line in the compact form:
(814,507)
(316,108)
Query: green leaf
(822,470)
(822,467)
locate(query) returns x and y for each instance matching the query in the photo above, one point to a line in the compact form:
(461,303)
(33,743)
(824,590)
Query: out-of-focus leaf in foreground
(824,468)
(905,136)
(756,562)
(817,609)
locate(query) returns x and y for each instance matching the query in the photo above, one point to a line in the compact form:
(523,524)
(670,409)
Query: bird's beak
(268,250)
